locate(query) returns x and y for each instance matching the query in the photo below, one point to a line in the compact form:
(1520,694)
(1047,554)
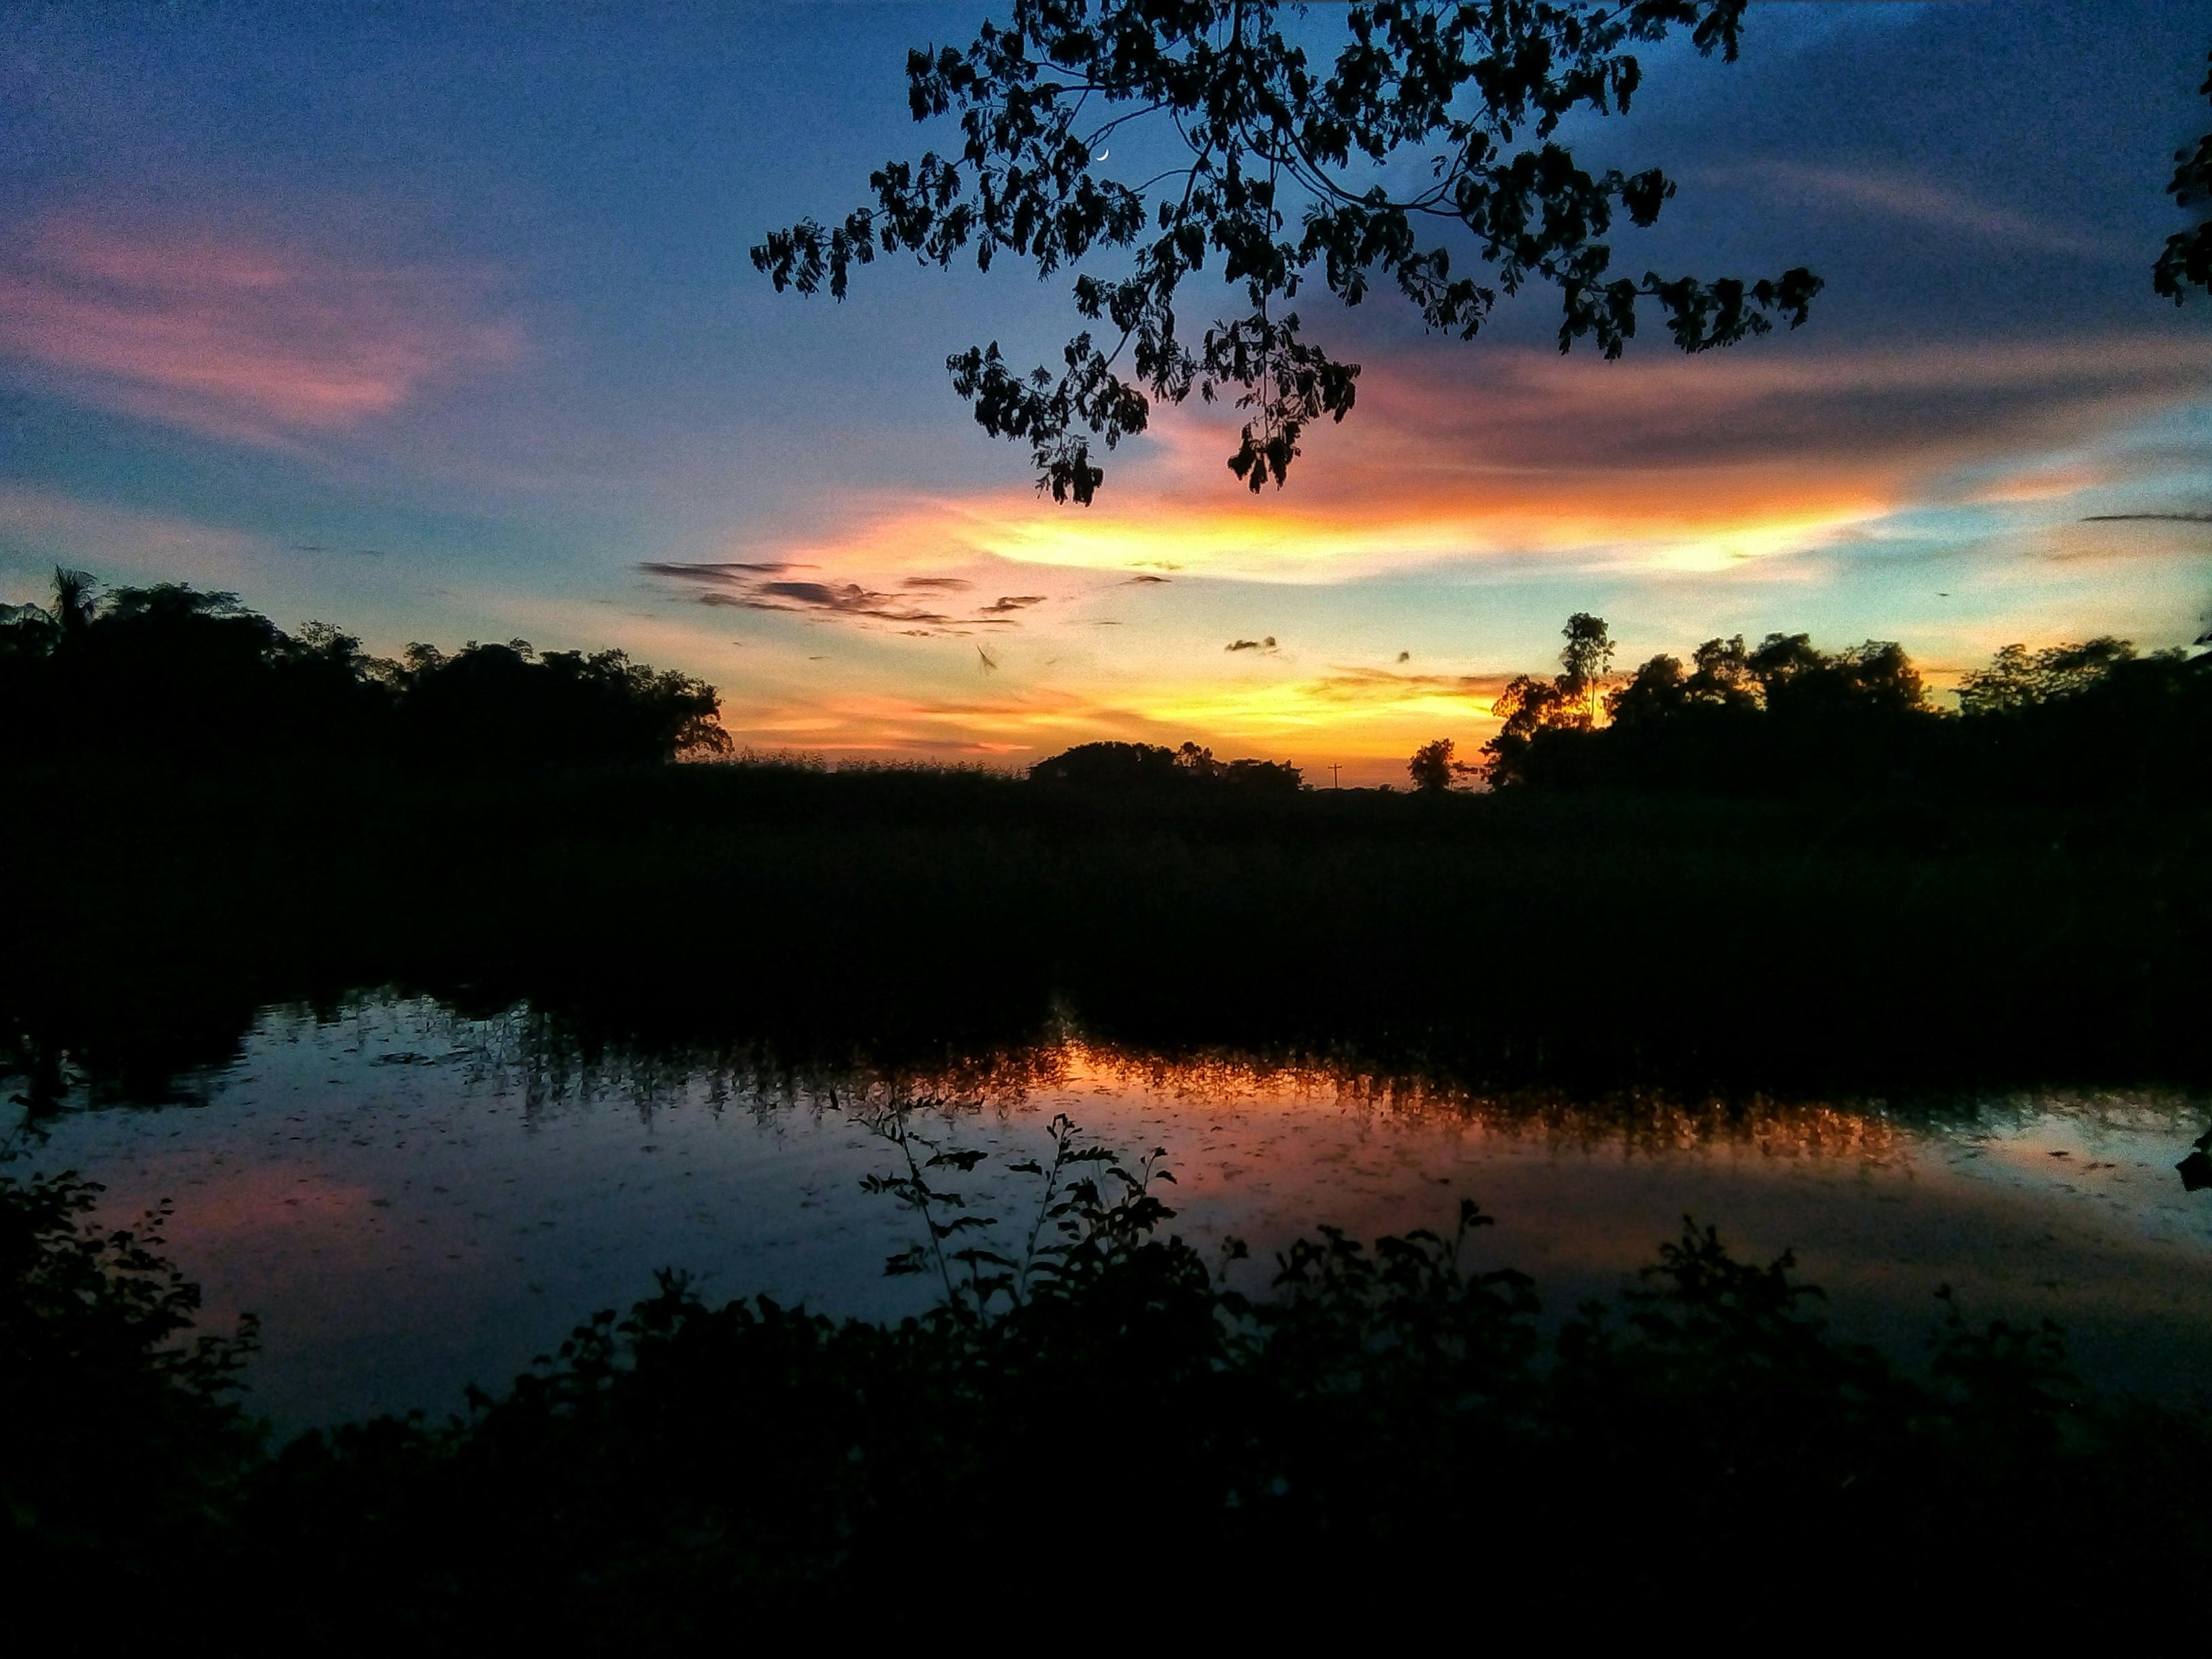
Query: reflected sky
(413,1202)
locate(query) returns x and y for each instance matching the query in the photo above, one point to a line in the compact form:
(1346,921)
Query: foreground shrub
(1089,1412)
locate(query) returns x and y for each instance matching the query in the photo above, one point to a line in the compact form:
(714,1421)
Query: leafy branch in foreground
(126,1446)
(1077,1224)
(1467,98)
(2186,262)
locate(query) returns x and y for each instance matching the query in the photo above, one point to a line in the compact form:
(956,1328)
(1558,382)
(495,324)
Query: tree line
(2089,719)
(1151,767)
(170,671)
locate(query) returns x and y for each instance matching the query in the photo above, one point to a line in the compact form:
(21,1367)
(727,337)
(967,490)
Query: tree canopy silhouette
(2070,721)
(1151,769)
(1432,767)
(1260,134)
(171,671)
(1566,702)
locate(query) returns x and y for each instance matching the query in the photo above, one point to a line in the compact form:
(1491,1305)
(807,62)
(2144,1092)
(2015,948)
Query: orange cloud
(1370,718)
(234,334)
(1664,463)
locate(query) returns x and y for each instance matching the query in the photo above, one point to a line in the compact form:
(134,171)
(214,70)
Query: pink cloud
(237,334)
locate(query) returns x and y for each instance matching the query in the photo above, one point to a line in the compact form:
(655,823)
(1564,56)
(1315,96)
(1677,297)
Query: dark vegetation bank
(1085,1414)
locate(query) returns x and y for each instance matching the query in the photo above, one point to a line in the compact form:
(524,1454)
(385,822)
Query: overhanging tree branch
(1480,85)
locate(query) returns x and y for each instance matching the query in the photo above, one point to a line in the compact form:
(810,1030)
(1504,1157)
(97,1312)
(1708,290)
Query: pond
(413,1200)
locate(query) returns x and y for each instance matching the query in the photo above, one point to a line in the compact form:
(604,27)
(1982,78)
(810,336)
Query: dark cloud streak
(2148,518)
(723,570)
(762,585)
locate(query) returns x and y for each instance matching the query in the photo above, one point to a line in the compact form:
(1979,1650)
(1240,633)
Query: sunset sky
(438,323)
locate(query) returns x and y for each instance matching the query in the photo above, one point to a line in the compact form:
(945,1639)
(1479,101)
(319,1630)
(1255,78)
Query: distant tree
(1469,97)
(75,600)
(1587,661)
(1263,777)
(2090,720)
(1114,766)
(1197,763)
(173,670)
(1146,767)
(1431,767)
(1779,659)
(1568,701)
(503,703)
(1720,678)
(1656,691)
(1780,714)
(1722,675)
(2017,680)
(2186,260)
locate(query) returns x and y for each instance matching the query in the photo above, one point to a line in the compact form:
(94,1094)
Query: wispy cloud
(124,544)
(729,572)
(2148,518)
(1921,202)
(764,584)
(1380,686)
(234,333)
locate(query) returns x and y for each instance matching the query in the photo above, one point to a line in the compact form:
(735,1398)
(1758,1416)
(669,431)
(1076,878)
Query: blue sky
(438,321)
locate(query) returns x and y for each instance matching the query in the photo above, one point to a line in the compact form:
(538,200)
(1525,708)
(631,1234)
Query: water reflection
(414,1199)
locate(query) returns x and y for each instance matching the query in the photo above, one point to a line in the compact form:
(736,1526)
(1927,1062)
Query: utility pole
(1333,769)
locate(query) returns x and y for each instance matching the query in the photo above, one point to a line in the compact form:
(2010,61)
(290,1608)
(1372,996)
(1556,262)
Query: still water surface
(412,1201)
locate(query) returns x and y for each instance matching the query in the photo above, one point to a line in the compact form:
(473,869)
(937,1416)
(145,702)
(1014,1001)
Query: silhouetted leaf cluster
(2186,262)
(1473,96)
(171,672)
(124,1446)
